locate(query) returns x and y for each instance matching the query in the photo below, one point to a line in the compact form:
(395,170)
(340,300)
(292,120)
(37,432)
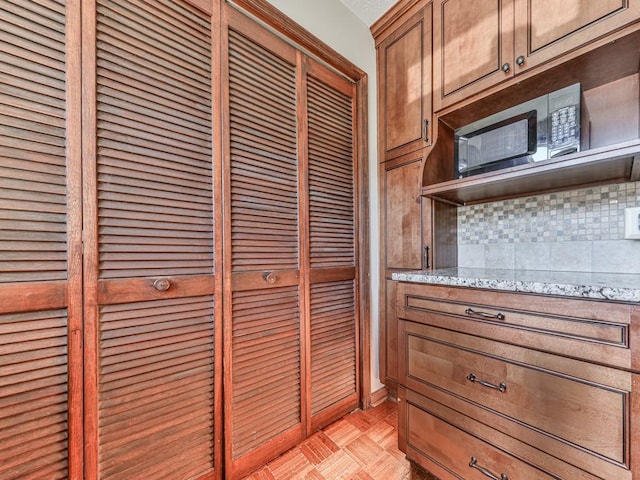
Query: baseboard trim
(378,396)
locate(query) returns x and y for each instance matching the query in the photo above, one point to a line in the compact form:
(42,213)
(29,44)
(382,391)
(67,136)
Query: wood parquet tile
(361,446)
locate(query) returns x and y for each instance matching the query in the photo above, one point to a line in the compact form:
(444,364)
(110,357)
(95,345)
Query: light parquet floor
(361,446)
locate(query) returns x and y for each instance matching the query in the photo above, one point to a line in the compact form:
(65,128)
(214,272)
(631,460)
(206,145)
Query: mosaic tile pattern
(589,214)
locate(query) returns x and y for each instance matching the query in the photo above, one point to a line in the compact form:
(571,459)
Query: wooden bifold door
(40,241)
(110,340)
(150,303)
(179,188)
(291,321)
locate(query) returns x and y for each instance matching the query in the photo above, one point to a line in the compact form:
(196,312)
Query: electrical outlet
(632,223)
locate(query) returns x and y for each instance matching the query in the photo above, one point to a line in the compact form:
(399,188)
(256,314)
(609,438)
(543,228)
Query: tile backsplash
(578,230)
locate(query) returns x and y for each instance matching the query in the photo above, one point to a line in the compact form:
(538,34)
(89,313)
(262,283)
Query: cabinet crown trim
(389,20)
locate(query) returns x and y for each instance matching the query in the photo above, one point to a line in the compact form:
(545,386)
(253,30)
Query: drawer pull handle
(473,379)
(474,464)
(497,316)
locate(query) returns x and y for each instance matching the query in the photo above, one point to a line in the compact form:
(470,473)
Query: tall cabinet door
(331,241)
(402,244)
(263,364)
(405,77)
(150,331)
(40,241)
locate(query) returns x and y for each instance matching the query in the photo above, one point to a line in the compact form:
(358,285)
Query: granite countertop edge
(616,287)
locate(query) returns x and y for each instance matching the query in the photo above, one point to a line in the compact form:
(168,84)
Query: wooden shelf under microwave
(611,164)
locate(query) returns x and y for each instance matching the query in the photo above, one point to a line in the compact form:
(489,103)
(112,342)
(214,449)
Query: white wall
(334,24)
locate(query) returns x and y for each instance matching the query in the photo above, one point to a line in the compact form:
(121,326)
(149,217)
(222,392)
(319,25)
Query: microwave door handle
(566,151)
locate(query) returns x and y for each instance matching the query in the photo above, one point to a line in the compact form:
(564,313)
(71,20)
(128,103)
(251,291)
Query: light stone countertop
(602,286)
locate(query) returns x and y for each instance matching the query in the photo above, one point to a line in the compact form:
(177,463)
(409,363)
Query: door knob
(270,277)
(162,284)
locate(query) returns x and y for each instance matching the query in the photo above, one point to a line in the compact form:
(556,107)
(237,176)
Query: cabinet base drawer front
(555,456)
(442,434)
(561,323)
(462,455)
(590,330)
(562,403)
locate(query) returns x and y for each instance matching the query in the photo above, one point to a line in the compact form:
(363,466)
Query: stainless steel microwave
(541,129)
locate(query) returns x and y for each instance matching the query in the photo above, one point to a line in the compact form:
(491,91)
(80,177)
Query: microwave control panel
(564,126)
(564,121)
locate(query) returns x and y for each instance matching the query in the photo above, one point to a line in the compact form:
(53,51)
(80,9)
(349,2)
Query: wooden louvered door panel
(332,234)
(40,242)
(151,383)
(263,372)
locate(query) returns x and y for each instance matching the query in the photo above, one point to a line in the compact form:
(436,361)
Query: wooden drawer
(591,330)
(560,405)
(445,442)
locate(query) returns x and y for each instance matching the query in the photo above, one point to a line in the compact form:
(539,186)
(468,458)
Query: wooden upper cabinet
(473,47)
(477,48)
(404,73)
(546,29)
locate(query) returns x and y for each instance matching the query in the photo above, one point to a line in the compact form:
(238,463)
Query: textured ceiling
(368,10)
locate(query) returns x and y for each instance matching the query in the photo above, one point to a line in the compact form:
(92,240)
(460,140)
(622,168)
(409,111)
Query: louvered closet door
(263,368)
(152,380)
(332,234)
(40,319)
